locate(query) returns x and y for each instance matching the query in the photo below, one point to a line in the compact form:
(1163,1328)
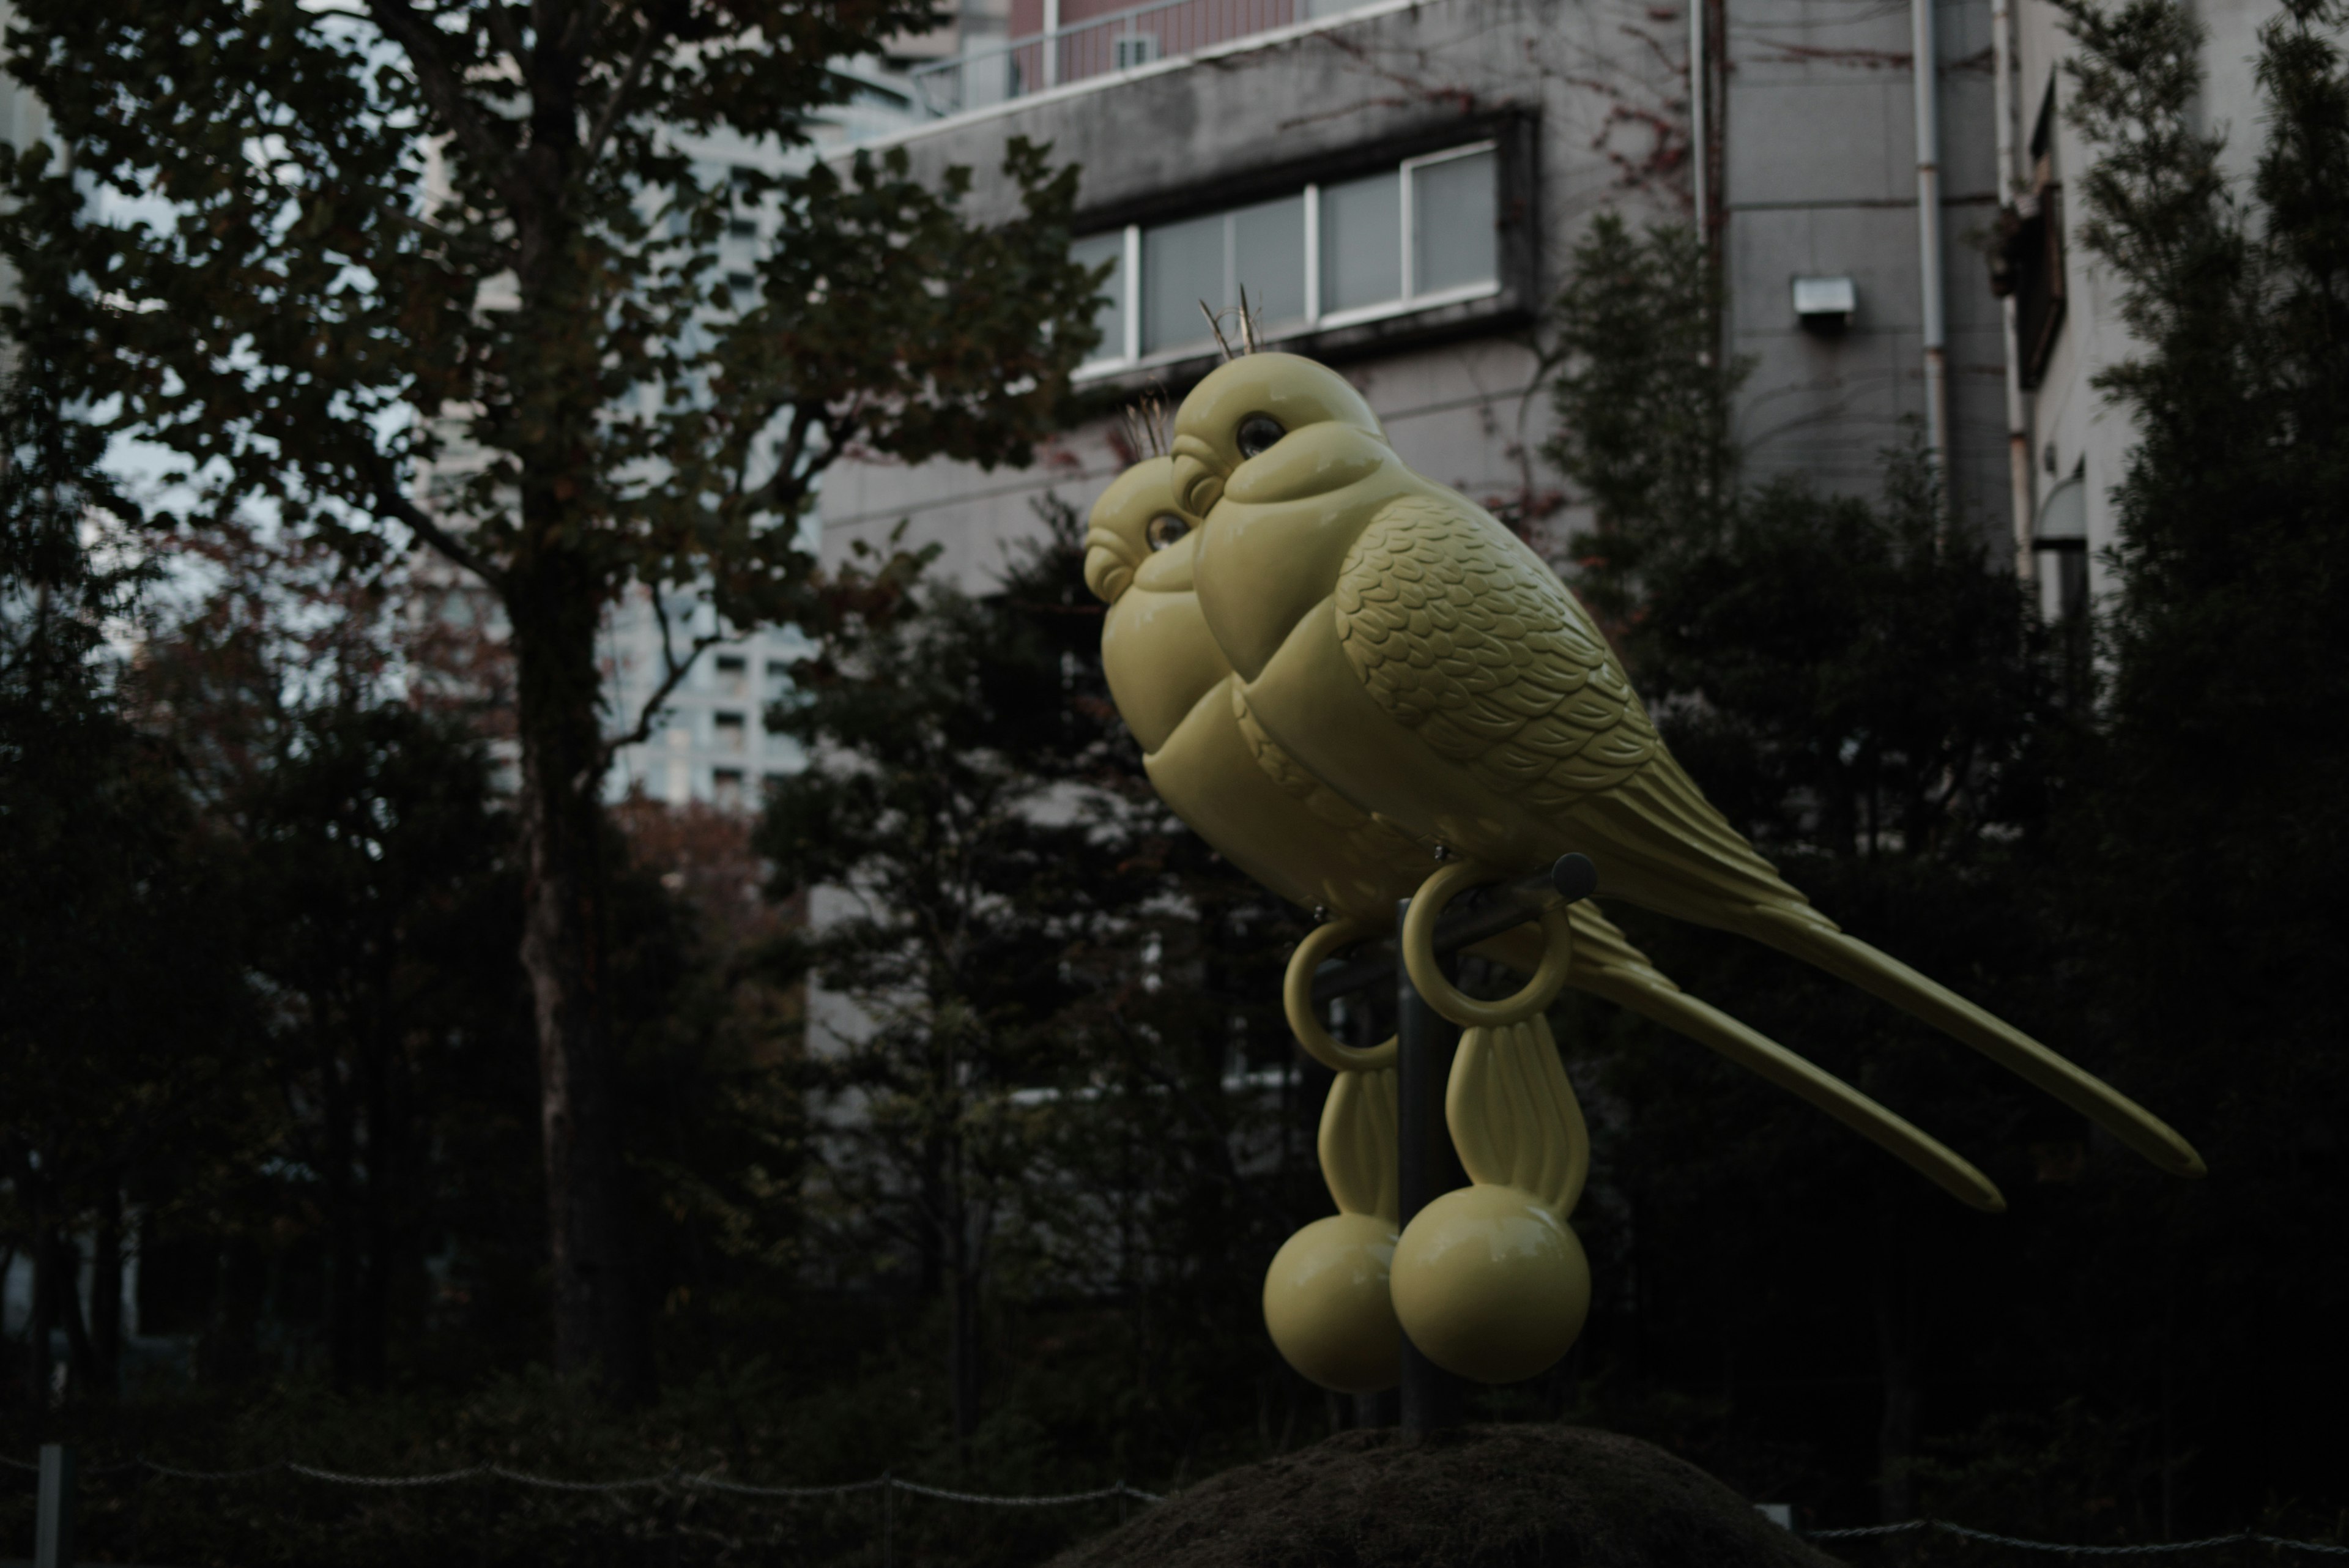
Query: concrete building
(1398,185)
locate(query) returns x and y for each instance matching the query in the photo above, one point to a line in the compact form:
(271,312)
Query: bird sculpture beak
(1198,480)
(1107,573)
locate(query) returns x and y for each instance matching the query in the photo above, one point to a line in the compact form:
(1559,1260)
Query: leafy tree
(335,252)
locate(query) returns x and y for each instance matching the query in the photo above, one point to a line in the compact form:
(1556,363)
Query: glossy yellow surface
(1399,645)
(1327,1304)
(1280,824)
(1417,944)
(1217,765)
(1491,1284)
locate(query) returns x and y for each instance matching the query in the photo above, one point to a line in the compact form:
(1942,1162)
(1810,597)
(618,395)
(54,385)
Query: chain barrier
(891,1483)
(700,1482)
(2251,1536)
(1119,1490)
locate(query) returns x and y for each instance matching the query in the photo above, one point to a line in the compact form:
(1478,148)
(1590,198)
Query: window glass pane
(1110,317)
(1181,264)
(1268,253)
(1361,243)
(1453,209)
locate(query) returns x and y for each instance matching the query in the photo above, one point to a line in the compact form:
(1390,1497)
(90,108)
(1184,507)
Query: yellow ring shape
(1419,953)
(1297,1001)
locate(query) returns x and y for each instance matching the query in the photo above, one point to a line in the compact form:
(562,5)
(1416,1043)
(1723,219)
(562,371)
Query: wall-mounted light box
(1824,304)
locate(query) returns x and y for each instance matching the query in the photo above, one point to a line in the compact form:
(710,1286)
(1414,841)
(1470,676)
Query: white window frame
(1408,302)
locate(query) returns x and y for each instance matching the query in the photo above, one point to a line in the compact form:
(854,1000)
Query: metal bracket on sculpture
(1475,915)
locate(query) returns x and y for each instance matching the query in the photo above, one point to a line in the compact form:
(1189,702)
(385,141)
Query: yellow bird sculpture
(1398,643)
(1513,1115)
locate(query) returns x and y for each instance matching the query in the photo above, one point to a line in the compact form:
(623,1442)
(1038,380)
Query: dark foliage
(1058,999)
(2150,884)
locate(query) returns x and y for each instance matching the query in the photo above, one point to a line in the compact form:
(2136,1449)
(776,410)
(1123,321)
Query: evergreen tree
(1643,396)
(2213,852)
(1059,995)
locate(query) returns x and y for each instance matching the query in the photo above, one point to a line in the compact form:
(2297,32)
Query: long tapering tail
(1920,1150)
(1800,933)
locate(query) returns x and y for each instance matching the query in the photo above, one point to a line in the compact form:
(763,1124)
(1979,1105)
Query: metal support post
(53,1527)
(1429,1168)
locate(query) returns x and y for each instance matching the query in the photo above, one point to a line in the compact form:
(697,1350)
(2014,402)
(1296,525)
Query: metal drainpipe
(1697,149)
(1927,92)
(1051,43)
(2018,410)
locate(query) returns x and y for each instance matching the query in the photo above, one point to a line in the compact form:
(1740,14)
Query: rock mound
(1479,1497)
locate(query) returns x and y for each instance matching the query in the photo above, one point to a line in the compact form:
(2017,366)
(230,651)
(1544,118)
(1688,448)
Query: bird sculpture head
(1156,649)
(1137,524)
(1282,464)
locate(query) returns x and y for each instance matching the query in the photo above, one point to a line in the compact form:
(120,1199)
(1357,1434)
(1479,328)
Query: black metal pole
(1428,1168)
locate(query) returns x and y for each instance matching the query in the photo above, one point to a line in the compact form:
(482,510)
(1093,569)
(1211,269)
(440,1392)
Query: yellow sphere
(1490,1284)
(1325,1300)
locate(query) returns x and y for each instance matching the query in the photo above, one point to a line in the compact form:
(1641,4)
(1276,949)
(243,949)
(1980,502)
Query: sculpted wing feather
(1495,668)
(1466,637)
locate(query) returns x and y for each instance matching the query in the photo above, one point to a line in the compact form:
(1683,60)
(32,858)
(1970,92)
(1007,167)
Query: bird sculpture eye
(1164,529)
(1256,434)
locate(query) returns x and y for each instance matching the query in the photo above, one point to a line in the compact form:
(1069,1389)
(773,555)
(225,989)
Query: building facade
(1398,185)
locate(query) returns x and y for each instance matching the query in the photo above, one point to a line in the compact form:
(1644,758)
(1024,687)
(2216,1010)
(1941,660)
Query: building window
(1423,234)
(733,675)
(2059,537)
(726,787)
(730,730)
(2027,261)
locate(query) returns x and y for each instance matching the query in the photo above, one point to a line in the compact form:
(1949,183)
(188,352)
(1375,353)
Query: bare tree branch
(672,672)
(499,22)
(623,89)
(445,90)
(787,487)
(389,502)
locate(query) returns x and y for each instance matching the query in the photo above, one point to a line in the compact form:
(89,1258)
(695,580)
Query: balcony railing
(1096,47)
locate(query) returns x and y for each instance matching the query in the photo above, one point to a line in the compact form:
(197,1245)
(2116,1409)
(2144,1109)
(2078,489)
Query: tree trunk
(229,1351)
(963,1341)
(343,1242)
(600,1327)
(65,1255)
(1896,1346)
(105,1290)
(385,1188)
(40,1323)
